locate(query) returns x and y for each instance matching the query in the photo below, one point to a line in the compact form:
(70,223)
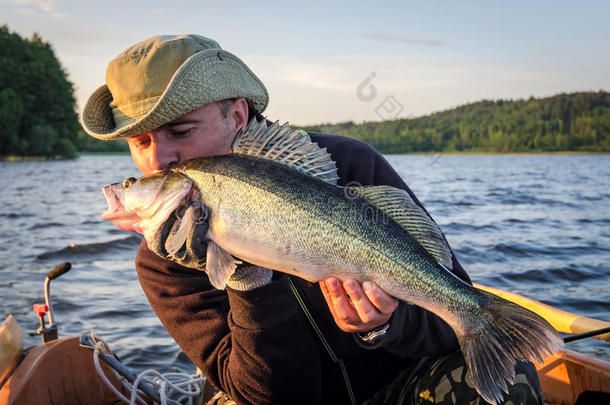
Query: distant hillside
(565,122)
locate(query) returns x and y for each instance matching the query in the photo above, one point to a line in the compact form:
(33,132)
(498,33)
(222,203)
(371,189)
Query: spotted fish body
(274,203)
(276,217)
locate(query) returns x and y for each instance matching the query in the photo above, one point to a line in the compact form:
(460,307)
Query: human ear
(239,114)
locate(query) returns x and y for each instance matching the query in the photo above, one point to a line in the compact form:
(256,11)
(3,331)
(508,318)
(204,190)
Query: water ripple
(535,225)
(92,250)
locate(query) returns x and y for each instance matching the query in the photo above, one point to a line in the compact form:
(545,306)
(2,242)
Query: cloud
(344,73)
(308,90)
(25,11)
(47,6)
(379,36)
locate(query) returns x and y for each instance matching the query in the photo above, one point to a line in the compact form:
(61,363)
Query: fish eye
(128,182)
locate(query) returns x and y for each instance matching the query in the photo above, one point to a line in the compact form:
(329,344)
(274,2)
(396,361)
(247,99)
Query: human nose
(163,155)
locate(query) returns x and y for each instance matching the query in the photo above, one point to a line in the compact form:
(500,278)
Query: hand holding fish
(356,307)
(274,202)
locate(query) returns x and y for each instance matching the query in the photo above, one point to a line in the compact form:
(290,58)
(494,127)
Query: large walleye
(273,201)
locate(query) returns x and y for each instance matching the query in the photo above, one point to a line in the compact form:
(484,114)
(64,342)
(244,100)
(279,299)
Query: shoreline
(15,159)
(454,153)
(474,153)
(109,153)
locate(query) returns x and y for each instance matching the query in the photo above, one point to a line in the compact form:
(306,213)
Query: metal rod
(47,299)
(131,376)
(586,335)
(60,269)
(48,331)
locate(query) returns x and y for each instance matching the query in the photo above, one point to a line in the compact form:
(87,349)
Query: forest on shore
(37,107)
(564,122)
(38,117)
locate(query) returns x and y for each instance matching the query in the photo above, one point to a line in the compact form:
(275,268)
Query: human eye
(140,141)
(182,132)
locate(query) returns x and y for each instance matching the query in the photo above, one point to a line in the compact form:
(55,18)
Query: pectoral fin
(178,239)
(220,265)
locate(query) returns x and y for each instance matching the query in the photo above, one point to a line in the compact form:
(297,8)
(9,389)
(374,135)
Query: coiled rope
(173,388)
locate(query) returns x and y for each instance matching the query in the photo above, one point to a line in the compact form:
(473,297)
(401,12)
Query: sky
(334,61)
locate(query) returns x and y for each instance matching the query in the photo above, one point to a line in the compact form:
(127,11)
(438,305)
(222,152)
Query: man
(269,338)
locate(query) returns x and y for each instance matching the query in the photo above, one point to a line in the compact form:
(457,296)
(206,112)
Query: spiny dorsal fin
(400,207)
(286,145)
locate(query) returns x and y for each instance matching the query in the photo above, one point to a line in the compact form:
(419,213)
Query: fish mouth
(116,208)
(150,215)
(113,203)
(122,218)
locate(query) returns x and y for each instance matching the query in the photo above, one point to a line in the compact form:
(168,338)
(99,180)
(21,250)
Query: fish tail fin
(494,342)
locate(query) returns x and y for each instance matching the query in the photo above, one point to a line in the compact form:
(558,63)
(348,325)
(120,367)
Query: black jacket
(259,347)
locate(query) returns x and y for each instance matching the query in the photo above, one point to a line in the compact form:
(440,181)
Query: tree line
(38,117)
(37,106)
(37,114)
(564,122)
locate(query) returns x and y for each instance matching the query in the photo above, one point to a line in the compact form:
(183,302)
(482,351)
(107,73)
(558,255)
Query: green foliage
(86,143)
(37,113)
(11,111)
(565,122)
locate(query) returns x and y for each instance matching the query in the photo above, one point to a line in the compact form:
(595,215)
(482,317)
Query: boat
(568,377)
(56,372)
(66,370)
(77,370)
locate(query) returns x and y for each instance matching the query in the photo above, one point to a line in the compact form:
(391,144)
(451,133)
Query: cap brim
(97,118)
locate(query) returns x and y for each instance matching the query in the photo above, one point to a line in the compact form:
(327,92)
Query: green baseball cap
(164,77)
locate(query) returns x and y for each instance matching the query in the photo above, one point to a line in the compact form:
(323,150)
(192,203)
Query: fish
(273,201)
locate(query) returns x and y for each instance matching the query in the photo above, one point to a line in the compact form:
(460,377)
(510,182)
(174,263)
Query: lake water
(534,225)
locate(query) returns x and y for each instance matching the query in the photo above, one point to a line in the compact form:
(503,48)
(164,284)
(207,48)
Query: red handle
(41,309)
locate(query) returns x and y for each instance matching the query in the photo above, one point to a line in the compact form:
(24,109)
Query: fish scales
(320,227)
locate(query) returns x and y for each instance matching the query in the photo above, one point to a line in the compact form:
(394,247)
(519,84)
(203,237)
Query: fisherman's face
(202,132)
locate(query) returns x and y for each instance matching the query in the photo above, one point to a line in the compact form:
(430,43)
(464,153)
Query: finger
(327,297)
(344,310)
(331,306)
(382,301)
(367,312)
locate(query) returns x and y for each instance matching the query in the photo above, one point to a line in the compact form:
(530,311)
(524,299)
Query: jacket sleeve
(414,332)
(254,345)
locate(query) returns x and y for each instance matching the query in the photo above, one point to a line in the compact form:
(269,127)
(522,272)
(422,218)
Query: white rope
(99,347)
(173,388)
